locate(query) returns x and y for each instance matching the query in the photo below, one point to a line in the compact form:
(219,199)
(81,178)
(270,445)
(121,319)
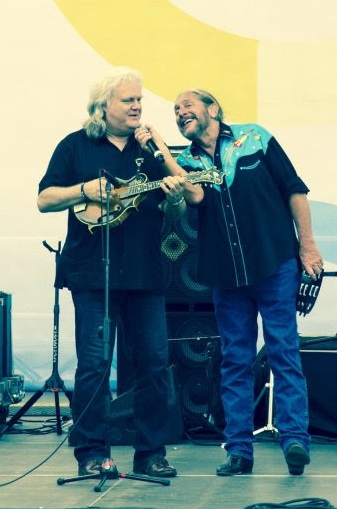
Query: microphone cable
(58,447)
(299,503)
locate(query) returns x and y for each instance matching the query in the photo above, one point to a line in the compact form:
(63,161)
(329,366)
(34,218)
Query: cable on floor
(300,503)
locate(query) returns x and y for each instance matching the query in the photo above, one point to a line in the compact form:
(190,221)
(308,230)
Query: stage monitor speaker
(192,331)
(121,425)
(179,248)
(319,361)
(193,336)
(6,362)
(195,351)
(318,357)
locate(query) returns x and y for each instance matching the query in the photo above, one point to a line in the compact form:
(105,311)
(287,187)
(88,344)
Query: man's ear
(213,110)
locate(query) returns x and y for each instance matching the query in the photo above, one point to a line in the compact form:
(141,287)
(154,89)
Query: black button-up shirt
(135,245)
(246,229)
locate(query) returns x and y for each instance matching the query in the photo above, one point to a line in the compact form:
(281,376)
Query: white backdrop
(47,69)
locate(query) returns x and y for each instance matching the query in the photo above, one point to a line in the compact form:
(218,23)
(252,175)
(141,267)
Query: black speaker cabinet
(195,351)
(179,249)
(189,307)
(122,427)
(192,331)
(319,361)
(6,362)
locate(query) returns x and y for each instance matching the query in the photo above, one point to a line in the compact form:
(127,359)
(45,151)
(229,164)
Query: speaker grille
(179,248)
(192,331)
(195,351)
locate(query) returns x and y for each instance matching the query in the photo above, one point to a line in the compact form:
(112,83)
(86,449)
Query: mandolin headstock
(212,176)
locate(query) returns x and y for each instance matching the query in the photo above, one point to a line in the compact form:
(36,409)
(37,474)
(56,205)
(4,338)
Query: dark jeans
(145,323)
(236,312)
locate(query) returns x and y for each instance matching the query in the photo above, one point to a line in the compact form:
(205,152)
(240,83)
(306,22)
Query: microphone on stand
(113,180)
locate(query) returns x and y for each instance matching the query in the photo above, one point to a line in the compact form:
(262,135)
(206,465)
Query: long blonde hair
(100,94)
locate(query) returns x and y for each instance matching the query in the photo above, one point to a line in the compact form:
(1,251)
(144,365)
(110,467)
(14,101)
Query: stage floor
(34,457)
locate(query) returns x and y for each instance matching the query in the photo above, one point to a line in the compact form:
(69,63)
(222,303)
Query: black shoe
(98,466)
(296,457)
(156,466)
(235,465)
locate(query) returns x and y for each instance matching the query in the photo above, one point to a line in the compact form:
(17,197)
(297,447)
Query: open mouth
(185,121)
(134,118)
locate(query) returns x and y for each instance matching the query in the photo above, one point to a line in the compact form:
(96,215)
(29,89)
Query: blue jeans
(236,313)
(145,323)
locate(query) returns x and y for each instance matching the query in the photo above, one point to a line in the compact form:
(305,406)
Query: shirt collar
(225,132)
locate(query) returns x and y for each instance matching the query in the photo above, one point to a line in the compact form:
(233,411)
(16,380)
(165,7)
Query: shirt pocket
(250,164)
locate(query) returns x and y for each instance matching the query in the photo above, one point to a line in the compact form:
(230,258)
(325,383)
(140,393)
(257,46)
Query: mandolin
(126,198)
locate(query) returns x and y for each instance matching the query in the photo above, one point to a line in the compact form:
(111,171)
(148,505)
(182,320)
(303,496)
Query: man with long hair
(87,166)
(255,238)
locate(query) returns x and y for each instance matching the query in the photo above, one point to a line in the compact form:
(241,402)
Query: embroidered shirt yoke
(245,225)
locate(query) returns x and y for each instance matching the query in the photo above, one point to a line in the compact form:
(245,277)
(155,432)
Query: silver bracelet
(83,195)
(176,203)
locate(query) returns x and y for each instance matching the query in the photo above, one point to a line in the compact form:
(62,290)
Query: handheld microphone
(157,154)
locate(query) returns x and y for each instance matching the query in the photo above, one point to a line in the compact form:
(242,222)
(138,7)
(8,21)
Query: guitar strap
(139,160)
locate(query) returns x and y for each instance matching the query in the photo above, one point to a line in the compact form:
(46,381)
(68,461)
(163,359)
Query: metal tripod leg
(36,396)
(269,426)
(54,383)
(109,471)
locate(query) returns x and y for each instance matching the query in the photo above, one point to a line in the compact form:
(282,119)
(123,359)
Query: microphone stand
(109,472)
(108,469)
(269,425)
(106,319)
(54,383)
